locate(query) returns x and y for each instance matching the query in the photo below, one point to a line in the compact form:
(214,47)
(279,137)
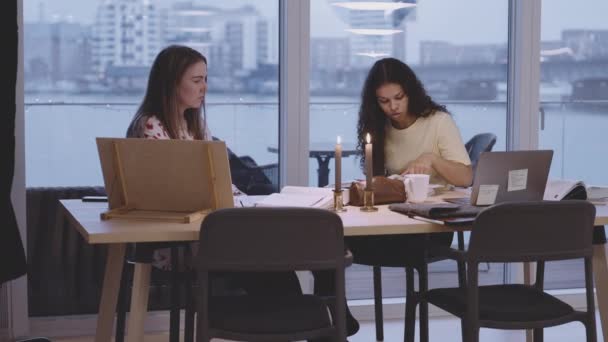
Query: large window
(86,67)
(85,72)
(574,102)
(459,50)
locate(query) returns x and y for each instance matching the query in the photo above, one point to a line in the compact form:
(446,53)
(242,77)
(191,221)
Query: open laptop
(509,176)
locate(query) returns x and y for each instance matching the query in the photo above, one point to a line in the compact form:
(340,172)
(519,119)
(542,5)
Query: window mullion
(294,21)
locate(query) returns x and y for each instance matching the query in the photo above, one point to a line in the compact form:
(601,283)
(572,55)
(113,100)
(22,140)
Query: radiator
(65,274)
(4,321)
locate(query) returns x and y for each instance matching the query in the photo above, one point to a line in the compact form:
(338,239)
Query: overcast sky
(455,21)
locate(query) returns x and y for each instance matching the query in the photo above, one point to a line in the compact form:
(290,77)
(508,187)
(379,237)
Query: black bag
(248,176)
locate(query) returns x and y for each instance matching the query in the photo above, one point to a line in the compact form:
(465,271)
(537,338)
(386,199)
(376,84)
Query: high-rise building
(377,32)
(364,47)
(56,51)
(126,33)
(586,44)
(235,41)
(329,54)
(441,52)
(246,34)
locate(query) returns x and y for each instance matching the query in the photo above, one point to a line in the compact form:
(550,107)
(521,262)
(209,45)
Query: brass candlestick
(338,202)
(368,201)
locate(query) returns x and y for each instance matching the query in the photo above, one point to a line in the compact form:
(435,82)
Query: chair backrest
(271,239)
(532,231)
(482,142)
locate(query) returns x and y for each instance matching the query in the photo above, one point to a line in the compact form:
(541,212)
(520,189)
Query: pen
(242,205)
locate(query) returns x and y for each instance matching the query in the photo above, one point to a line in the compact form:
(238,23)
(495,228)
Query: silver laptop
(509,176)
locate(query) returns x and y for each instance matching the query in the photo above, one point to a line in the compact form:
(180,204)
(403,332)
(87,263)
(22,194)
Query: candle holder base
(338,202)
(368,201)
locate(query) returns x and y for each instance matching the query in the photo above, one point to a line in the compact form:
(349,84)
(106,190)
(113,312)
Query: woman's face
(393,101)
(192,87)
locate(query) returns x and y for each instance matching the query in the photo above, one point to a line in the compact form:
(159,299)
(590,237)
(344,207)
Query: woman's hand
(422,164)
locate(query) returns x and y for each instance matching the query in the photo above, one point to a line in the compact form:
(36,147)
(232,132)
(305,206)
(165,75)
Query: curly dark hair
(372,119)
(160,99)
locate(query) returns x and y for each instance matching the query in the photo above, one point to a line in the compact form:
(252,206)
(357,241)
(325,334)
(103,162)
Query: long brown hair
(160,99)
(372,119)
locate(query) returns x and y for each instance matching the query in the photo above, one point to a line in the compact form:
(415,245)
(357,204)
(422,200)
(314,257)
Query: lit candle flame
(368,138)
(339,140)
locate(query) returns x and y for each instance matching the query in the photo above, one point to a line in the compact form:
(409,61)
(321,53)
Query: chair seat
(269,314)
(507,303)
(409,250)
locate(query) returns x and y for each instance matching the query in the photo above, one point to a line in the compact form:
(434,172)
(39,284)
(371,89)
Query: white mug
(416,187)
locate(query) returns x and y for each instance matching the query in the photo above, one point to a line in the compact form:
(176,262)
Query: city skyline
(431,23)
(115,52)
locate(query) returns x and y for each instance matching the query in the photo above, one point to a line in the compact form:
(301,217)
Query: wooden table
(118,232)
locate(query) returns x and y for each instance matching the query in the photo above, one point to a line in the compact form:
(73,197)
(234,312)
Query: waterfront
(61,151)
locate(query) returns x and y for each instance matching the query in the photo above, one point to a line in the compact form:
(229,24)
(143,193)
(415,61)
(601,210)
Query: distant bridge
(564,71)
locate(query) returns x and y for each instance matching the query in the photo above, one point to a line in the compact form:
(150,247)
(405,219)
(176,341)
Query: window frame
(294,27)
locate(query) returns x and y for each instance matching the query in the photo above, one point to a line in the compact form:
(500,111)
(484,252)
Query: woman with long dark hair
(411,133)
(173,106)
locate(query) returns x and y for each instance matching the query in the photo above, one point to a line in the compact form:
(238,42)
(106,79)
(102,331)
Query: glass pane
(86,68)
(460,65)
(574,102)
(86,65)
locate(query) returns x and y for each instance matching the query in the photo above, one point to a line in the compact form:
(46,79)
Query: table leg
(139,302)
(109,292)
(323,170)
(600,273)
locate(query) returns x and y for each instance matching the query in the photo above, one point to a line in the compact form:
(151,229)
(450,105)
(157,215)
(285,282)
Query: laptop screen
(511,176)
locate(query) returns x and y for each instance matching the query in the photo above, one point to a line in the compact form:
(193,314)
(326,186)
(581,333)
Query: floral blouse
(156,130)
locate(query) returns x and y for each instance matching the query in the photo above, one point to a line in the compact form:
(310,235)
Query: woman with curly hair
(411,132)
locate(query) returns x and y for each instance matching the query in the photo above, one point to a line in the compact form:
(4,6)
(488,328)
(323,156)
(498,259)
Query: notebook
(509,176)
(439,213)
(301,196)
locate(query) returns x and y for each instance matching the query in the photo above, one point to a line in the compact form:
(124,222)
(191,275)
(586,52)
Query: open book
(301,196)
(559,189)
(596,193)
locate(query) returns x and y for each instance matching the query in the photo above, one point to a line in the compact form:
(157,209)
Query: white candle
(368,162)
(338,165)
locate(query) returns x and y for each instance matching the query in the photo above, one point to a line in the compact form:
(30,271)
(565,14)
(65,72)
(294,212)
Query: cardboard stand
(170,180)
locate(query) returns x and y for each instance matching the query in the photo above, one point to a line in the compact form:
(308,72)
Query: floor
(441,330)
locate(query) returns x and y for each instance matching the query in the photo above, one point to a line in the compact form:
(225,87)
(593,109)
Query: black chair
(482,142)
(407,251)
(271,240)
(522,232)
(251,178)
(418,260)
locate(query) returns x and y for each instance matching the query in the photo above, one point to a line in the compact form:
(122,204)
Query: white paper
(518,180)
(294,200)
(487,194)
(557,189)
(597,192)
(299,196)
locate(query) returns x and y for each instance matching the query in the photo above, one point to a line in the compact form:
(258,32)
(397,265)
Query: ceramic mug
(416,187)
